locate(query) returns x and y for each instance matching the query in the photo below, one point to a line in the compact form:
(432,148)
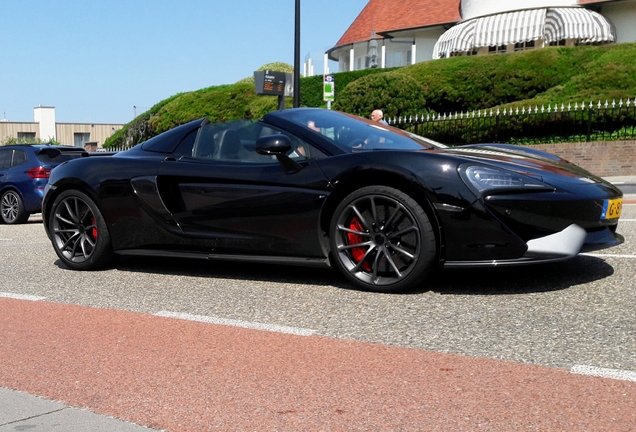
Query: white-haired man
(378,115)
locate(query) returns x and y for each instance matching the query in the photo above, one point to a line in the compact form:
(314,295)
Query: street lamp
(297,57)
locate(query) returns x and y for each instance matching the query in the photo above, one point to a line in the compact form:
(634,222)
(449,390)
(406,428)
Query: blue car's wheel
(382,240)
(78,232)
(12,208)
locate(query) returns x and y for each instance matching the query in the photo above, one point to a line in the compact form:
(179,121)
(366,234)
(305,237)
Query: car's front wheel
(382,240)
(12,208)
(78,232)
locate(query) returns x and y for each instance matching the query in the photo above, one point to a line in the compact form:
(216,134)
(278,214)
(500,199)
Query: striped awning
(459,38)
(577,23)
(509,28)
(548,24)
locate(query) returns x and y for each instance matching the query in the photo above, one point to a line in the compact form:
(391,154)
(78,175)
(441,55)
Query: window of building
(360,63)
(522,46)
(463,53)
(499,49)
(395,59)
(81,138)
(558,43)
(26,136)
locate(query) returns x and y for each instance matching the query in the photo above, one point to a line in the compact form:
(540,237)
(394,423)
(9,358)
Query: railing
(551,124)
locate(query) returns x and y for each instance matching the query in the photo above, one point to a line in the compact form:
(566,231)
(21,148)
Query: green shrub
(396,94)
(311,88)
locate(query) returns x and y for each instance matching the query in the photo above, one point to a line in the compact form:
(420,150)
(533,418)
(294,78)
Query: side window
(19,157)
(301,149)
(185,147)
(236,142)
(5,158)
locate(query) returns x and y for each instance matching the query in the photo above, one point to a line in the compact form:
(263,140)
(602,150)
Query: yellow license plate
(612,209)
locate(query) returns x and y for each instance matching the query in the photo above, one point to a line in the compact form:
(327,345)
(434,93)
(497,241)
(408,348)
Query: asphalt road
(576,313)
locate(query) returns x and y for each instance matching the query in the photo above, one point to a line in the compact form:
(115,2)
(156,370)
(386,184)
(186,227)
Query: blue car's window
(19,157)
(352,133)
(5,158)
(64,155)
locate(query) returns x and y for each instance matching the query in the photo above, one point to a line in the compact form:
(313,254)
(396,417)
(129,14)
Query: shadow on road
(480,281)
(521,280)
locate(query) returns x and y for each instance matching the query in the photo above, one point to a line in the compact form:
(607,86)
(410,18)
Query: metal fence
(607,121)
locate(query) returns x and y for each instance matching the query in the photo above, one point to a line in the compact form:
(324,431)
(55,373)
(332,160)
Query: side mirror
(278,144)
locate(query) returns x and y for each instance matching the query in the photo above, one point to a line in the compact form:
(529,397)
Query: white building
(412,31)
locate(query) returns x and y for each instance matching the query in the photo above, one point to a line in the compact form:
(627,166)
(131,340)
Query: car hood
(528,161)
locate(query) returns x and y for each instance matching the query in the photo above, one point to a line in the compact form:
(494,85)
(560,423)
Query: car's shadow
(479,281)
(521,280)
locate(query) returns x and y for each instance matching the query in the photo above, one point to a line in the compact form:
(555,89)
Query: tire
(12,208)
(382,240)
(78,232)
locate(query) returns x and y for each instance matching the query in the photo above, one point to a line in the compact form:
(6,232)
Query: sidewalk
(21,411)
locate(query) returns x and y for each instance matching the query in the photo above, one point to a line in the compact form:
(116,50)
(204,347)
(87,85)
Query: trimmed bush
(393,93)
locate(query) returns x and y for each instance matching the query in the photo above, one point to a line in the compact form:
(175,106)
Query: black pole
(297,57)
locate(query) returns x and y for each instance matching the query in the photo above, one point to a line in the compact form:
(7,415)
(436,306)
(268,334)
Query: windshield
(352,133)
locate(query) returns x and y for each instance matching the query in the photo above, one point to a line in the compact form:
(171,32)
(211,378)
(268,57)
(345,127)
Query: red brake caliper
(357,253)
(94,228)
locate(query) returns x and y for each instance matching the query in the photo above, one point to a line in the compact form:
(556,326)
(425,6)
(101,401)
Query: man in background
(378,115)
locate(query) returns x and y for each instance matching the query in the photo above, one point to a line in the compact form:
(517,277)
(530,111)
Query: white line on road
(608,255)
(604,373)
(21,296)
(238,323)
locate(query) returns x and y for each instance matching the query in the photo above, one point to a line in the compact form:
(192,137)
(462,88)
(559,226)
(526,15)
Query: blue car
(24,172)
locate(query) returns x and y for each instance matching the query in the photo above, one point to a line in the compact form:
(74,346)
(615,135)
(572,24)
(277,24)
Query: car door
(244,202)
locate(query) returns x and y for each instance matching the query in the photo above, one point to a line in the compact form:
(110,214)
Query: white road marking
(608,255)
(238,323)
(604,373)
(21,296)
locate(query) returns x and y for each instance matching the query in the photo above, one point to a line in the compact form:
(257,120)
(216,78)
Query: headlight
(482,178)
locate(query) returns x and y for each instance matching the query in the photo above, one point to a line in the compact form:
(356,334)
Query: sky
(95,60)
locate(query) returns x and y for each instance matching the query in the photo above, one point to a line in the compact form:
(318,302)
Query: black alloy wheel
(78,232)
(12,208)
(382,240)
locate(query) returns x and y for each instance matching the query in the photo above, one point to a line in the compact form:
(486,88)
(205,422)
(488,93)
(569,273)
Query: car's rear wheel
(78,232)
(12,208)
(382,240)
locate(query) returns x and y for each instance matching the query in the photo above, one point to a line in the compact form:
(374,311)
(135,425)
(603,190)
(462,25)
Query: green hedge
(458,84)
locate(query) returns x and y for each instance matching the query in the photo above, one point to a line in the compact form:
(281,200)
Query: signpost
(329,89)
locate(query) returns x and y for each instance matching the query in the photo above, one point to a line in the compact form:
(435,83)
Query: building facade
(45,128)
(411,31)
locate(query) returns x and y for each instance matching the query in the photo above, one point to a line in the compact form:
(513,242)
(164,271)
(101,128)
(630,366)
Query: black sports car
(322,188)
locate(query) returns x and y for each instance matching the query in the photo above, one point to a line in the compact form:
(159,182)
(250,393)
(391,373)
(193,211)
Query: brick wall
(605,158)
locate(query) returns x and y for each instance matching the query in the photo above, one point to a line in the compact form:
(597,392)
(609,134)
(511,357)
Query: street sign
(270,82)
(329,88)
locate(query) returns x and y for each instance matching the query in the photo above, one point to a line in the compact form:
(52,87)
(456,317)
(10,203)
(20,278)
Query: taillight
(39,172)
